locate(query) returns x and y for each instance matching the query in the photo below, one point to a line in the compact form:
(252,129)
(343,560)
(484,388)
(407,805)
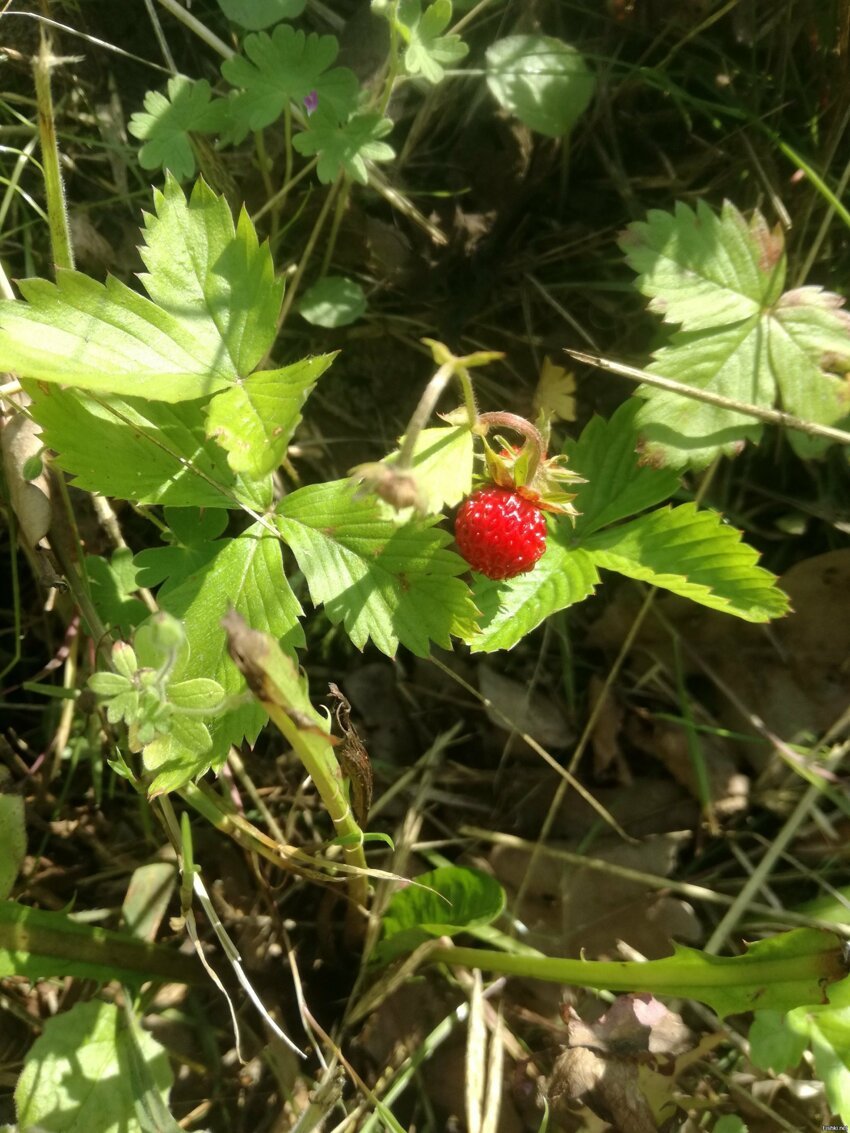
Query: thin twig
(770,416)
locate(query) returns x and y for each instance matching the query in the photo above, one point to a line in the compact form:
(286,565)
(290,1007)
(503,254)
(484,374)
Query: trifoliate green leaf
(258,14)
(345,146)
(391,584)
(562,577)
(217,276)
(695,555)
(145,451)
(334,301)
(254,421)
(542,80)
(428,51)
(288,66)
(617,487)
(721,278)
(212,314)
(166,122)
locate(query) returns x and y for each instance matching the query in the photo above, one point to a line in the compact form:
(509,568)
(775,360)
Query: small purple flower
(311,102)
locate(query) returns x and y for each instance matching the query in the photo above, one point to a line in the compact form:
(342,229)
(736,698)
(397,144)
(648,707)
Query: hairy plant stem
(339,213)
(295,282)
(529,431)
(428,403)
(57,210)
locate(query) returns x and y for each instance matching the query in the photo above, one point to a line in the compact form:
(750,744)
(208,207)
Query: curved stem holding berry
(520,425)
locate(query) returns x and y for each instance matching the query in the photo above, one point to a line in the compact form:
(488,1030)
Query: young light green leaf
(245,573)
(694,554)
(334,301)
(442,465)
(166,122)
(288,66)
(345,146)
(109,684)
(562,577)
(254,421)
(391,584)
(617,486)
(174,756)
(258,14)
(443,902)
(76,1074)
(703,270)
(145,451)
(428,51)
(218,278)
(542,80)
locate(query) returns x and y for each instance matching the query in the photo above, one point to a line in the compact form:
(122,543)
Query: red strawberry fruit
(499,532)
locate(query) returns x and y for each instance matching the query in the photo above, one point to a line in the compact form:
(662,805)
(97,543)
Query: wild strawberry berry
(500,533)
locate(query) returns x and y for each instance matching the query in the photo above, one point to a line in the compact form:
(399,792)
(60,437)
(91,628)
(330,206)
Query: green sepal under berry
(540,481)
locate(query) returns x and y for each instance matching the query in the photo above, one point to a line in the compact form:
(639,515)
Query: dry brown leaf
(568,909)
(532,713)
(606,729)
(668,743)
(555,393)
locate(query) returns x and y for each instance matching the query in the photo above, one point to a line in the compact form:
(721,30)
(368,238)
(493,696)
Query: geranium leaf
(333,301)
(166,122)
(428,51)
(112,585)
(345,146)
(694,554)
(391,584)
(258,14)
(254,421)
(288,66)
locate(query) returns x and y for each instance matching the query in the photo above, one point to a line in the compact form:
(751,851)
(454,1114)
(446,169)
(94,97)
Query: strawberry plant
(182,398)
